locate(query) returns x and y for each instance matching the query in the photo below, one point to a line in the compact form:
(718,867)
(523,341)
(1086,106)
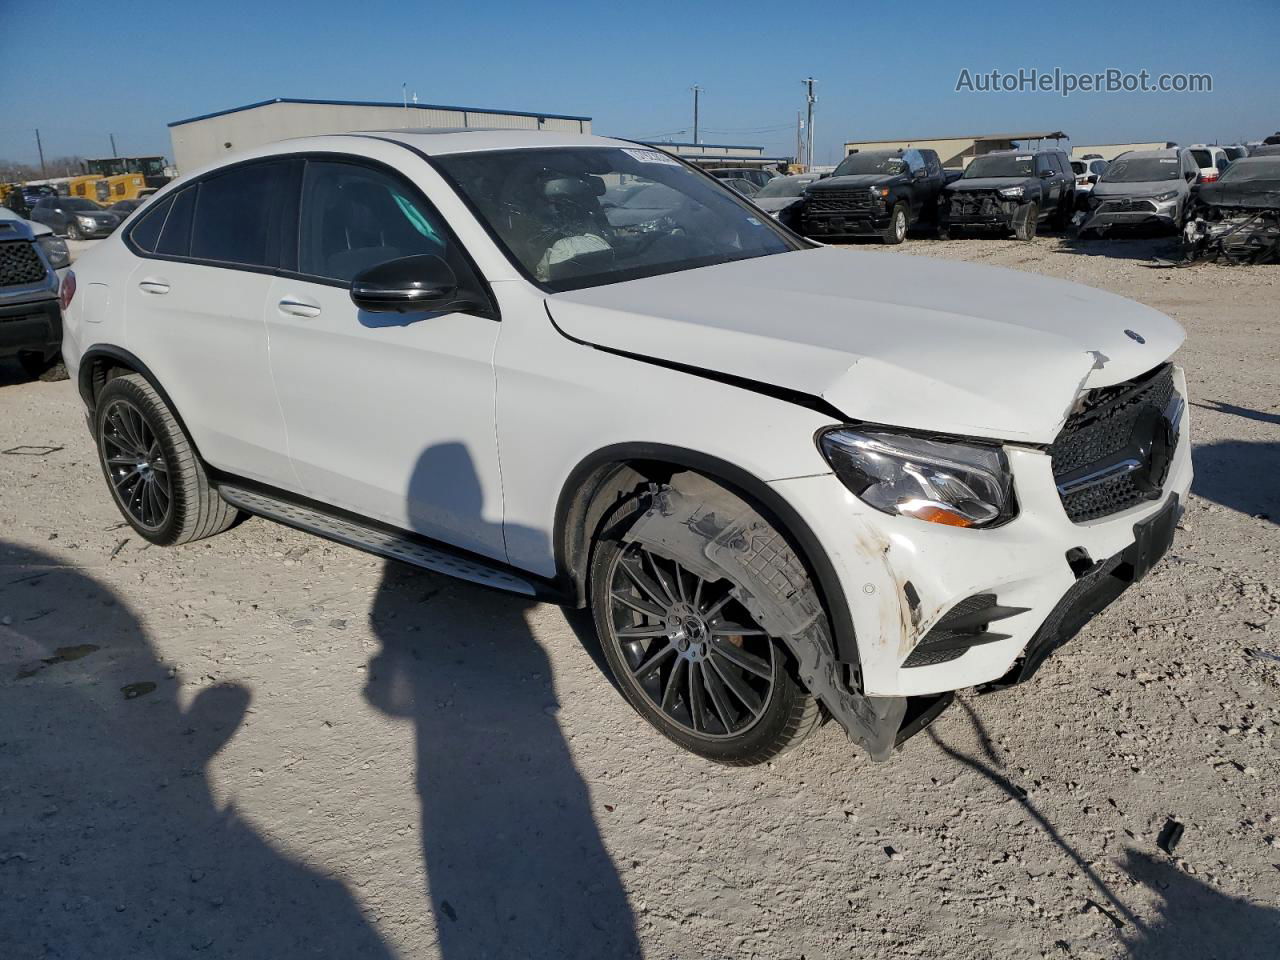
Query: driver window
(354,217)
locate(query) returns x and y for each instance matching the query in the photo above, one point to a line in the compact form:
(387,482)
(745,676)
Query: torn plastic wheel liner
(717,535)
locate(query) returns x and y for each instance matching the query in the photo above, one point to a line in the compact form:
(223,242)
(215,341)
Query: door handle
(298,307)
(154,286)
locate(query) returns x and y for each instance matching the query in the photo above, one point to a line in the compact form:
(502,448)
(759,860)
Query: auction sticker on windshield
(651,156)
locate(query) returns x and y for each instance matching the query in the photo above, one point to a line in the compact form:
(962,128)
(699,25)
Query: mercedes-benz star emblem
(1132,335)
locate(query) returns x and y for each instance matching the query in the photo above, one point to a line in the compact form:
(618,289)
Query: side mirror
(1192,176)
(1046,174)
(424,282)
(920,174)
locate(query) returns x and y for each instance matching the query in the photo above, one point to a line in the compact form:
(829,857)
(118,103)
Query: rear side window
(238,215)
(175,235)
(354,217)
(146,232)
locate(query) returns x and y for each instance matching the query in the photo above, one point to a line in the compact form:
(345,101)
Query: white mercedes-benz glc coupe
(789,481)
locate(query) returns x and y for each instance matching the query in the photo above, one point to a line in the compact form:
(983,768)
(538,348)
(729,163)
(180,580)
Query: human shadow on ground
(1194,920)
(1240,474)
(112,841)
(1248,413)
(515,863)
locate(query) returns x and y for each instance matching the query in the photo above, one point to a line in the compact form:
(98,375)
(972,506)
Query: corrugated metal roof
(376,103)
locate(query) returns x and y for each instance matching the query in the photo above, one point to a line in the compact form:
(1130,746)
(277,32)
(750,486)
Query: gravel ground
(266,745)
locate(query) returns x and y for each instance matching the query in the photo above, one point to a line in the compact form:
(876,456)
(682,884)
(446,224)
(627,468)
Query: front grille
(19,264)
(838,201)
(1127,206)
(1100,431)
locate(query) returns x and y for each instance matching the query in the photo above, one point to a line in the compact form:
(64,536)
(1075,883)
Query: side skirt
(384,541)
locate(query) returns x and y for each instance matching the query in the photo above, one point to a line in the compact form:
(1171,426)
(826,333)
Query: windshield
(1141,170)
(887,163)
(784,187)
(1262,168)
(79,203)
(555,212)
(1009,165)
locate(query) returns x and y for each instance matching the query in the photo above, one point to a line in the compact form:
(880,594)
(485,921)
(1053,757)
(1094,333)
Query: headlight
(55,251)
(953,483)
(879,193)
(1166,197)
(86,221)
(1011,192)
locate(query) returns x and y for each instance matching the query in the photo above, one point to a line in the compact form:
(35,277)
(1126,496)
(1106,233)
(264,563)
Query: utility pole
(809,82)
(799,137)
(697,90)
(40,150)
(113,145)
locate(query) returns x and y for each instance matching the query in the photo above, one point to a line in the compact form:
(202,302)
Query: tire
(164,492)
(38,367)
(73,231)
(1025,220)
(896,232)
(787,712)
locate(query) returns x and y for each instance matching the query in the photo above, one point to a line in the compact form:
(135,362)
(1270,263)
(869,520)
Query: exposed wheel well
(601,480)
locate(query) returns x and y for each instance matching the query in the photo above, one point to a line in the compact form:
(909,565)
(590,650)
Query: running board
(376,540)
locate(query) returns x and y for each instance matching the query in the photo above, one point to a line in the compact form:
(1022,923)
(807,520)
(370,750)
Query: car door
(195,304)
(1049,188)
(390,415)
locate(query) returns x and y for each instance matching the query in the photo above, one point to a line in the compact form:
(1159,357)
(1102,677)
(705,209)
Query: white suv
(788,480)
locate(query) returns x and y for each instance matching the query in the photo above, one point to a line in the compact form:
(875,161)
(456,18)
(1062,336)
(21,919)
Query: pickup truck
(32,262)
(874,193)
(1011,190)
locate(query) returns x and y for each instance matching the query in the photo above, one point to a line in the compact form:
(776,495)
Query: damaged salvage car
(790,482)
(1237,219)
(1012,191)
(1141,189)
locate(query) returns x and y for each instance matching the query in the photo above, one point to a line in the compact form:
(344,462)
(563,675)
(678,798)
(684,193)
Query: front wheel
(690,658)
(73,231)
(1025,220)
(153,472)
(896,232)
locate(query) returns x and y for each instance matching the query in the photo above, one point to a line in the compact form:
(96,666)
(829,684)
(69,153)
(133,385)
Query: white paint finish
(391,416)
(560,401)
(206,343)
(906,341)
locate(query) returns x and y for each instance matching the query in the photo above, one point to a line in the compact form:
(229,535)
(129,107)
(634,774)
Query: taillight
(1209,177)
(67,290)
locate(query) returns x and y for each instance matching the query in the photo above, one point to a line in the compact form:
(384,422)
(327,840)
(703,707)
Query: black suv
(1011,190)
(874,193)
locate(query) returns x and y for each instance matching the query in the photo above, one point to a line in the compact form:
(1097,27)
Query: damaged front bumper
(978,210)
(1236,235)
(1126,212)
(906,580)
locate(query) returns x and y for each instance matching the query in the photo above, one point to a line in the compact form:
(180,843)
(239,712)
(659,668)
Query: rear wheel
(1025,220)
(151,468)
(690,658)
(896,232)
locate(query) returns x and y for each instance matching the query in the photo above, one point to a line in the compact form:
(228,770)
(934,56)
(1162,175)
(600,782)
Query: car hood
(988,183)
(1262,194)
(774,204)
(892,339)
(853,180)
(1141,188)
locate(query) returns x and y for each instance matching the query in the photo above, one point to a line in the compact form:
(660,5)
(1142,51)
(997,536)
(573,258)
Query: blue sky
(885,69)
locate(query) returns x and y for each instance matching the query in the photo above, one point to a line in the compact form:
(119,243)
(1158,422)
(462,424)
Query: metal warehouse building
(206,138)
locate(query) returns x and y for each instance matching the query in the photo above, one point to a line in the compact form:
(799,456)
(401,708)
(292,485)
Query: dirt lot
(265,745)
